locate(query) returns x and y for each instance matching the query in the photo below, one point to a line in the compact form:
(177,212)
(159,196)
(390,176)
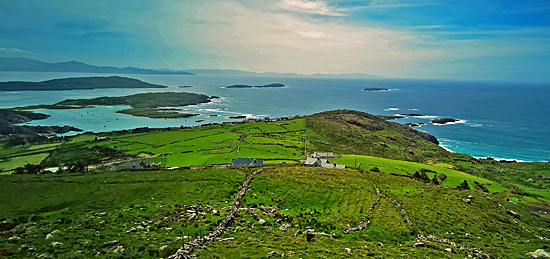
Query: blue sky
(486,40)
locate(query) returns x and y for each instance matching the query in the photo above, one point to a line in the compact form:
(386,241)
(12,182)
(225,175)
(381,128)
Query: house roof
(246,162)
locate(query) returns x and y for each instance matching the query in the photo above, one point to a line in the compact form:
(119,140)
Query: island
(413,115)
(142,105)
(185,86)
(375,89)
(443,121)
(237,117)
(77,83)
(274,85)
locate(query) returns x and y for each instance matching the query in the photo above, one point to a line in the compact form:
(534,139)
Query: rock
(467,234)
(539,253)
(118,250)
(284,227)
(449,250)
(381,245)
(470,197)
(111,243)
(272,254)
(468,201)
(419,244)
(514,214)
(15,238)
(226,239)
(348,250)
(261,221)
(290,254)
(56,244)
(52,234)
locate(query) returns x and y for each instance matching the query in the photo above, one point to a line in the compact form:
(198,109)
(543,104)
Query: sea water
(498,119)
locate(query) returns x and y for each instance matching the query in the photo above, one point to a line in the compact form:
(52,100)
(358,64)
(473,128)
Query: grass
(19,161)
(92,209)
(454,177)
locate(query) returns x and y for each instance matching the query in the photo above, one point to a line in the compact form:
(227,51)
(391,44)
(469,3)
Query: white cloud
(309,7)
(242,37)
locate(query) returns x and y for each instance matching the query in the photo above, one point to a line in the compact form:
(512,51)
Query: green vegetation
(143,104)
(454,177)
(77,83)
(390,202)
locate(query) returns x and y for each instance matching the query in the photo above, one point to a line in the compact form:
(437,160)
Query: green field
(217,144)
(454,177)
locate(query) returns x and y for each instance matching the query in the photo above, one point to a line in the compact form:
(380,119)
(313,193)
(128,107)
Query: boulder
(111,243)
(348,250)
(284,227)
(261,221)
(539,253)
(449,250)
(118,250)
(468,201)
(514,214)
(271,254)
(419,244)
(381,245)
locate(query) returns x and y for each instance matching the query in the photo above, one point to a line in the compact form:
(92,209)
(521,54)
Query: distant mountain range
(31,65)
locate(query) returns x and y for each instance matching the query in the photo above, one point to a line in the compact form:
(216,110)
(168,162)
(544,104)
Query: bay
(499,119)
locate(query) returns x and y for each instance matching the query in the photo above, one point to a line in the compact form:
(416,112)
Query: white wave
(391,109)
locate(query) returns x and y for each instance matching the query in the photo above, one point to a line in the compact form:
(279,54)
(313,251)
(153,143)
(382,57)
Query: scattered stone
(539,253)
(470,197)
(449,250)
(284,227)
(468,201)
(226,239)
(381,245)
(348,250)
(111,243)
(290,254)
(118,250)
(419,244)
(467,234)
(272,254)
(261,221)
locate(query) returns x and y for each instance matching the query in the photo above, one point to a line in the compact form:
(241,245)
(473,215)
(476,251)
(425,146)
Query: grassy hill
(77,83)
(378,208)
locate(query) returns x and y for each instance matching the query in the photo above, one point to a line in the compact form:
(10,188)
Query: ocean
(497,119)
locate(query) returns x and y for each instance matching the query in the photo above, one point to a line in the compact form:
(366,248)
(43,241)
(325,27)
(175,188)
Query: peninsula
(142,105)
(77,83)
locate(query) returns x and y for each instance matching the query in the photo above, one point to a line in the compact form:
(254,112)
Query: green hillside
(379,206)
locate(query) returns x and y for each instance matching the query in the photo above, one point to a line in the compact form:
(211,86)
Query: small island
(274,85)
(443,121)
(375,89)
(142,105)
(413,115)
(185,86)
(237,117)
(77,83)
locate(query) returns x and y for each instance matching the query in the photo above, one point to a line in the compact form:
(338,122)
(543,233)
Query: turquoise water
(503,120)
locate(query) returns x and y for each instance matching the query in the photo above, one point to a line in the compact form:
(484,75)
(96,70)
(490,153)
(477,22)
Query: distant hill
(274,74)
(31,65)
(77,83)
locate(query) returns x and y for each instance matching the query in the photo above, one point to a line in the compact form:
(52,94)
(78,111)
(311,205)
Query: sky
(463,39)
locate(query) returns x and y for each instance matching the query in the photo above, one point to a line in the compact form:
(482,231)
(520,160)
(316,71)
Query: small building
(246,162)
(321,162)
(323,155)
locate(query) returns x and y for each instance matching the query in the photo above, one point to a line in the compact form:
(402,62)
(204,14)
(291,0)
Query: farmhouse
(246,162)
(321,162)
